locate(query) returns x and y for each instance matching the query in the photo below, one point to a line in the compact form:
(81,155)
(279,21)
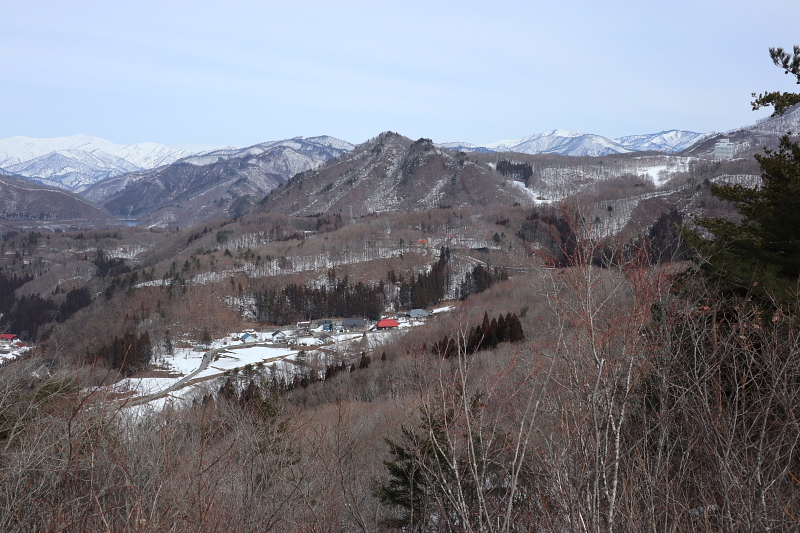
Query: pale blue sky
(241,72)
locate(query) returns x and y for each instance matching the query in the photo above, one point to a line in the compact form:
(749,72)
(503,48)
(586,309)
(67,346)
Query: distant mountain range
(219,184)
(311,175)
(78,161)
(576,143)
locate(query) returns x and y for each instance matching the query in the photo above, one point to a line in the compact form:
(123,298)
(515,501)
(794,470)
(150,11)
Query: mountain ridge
(577,143)
(77,161)
(391,173)
(44,206)
(218,184)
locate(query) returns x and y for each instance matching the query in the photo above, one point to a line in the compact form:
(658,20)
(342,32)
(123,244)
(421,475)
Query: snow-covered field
(239,357)
(12,352)
(185,361)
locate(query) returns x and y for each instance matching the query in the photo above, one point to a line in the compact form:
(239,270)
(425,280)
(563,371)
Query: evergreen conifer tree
(761,255)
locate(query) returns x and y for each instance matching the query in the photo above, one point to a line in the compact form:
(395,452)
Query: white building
(724,149)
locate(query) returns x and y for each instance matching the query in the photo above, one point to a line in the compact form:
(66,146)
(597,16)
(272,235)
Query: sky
(243,72)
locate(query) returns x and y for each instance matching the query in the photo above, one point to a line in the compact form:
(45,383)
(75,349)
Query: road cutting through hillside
(207,358)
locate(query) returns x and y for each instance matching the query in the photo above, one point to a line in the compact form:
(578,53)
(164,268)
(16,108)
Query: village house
(387,323)
(354,324)
(248,338)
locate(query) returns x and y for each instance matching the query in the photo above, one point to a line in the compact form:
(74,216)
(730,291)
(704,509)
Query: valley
(307,335)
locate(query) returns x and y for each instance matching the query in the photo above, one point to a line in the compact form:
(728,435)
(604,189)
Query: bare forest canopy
(589,347)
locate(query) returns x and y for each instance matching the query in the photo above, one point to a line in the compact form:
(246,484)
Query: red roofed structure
(7,336)
(387,323)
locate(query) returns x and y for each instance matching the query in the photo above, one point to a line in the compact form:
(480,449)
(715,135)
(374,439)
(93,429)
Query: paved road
(207,358)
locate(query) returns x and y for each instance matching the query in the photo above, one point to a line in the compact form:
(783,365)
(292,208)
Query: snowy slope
(218,184)
(317,148)
(463,147)
(78,161)
(72,169)
(576,143)
(669,141)
(565,142)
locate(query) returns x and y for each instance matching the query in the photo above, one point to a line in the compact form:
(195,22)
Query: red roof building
(387,323)
(7,336)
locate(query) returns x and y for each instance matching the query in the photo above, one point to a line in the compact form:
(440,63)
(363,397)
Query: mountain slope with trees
(78,161)
(392,173)
(220,184)
(587,381)
(761,253)
(28,204)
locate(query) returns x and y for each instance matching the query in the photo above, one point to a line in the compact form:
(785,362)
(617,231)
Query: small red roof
(7,336)
(387,323)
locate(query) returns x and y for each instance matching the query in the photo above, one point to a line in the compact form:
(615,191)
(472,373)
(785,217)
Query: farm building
(351,324)
(387,323)
(326,325)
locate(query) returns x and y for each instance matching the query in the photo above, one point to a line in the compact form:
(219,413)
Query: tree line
(295,302)
(27,315)
(479,279)
(486,336)
(128,354)
(425,288)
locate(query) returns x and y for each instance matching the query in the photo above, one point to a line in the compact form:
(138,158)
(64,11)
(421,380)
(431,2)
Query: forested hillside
(626,358)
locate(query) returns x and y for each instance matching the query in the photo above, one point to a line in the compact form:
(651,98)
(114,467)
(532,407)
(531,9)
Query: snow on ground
(144,386)
(536,197)
(751,181)
(181,396)
(309,341)
(660,174)
(345,337)
(12,353)
(656,173)
(240,357)
(127,252)
(443,309)
(185,361)
(235,355)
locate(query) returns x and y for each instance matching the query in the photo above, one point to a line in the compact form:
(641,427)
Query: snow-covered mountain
(77,161)
(669,141)
(564,142)
(217,184)
(319,148)
(752,139)
(577,143)
(392,173)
